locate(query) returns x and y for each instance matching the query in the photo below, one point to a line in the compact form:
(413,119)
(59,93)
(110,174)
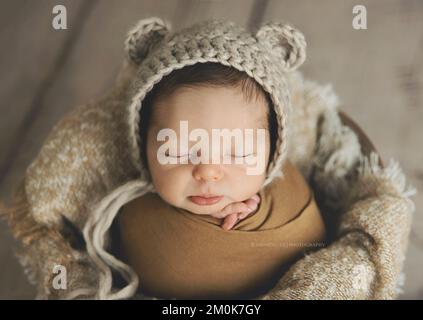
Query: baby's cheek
(171,185)
(251,186)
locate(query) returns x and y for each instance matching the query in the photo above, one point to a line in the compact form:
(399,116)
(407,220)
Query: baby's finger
(256,198)
(230,221)
(244,214)
(237,207)
(251,204)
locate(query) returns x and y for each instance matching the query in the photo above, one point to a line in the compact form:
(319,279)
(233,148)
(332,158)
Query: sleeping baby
(213,229)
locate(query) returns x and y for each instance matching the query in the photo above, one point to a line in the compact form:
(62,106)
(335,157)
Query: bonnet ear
(285,41)
(144,36)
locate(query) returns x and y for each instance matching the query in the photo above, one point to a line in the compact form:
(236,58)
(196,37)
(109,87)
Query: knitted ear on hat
(285,41)
(144,36)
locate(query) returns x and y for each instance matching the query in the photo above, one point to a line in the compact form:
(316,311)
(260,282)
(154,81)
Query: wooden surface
(378,74)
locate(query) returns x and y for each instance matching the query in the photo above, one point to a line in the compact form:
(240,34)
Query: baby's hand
(236,211)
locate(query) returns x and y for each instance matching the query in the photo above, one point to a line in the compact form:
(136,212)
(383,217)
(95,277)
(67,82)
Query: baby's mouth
(205,200)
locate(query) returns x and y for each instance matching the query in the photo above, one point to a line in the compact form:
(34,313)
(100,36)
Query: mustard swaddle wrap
(178,254)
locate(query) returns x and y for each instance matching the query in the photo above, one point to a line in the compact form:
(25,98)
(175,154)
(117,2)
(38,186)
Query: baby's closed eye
(242,155)
(233,155)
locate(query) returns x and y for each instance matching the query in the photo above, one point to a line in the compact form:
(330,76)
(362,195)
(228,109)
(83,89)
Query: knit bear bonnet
(276,48)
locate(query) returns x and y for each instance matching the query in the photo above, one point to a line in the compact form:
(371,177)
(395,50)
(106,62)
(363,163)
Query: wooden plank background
(378,74)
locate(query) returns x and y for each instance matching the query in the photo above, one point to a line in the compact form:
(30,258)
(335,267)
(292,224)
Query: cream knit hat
(276,48)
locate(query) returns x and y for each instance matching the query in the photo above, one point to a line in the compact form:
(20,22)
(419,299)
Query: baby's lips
(256,198)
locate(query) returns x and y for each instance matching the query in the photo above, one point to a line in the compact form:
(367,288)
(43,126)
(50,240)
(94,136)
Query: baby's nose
(208,172)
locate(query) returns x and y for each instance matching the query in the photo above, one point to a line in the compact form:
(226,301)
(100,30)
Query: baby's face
(206,108)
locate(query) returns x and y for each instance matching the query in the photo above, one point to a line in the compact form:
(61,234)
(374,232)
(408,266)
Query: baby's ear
(144,36)
(285,41)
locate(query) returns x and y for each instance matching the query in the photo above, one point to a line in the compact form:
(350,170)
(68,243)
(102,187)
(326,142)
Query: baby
(208,96)
(179,241)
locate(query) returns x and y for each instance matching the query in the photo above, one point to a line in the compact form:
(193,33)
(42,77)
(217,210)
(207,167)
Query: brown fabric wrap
(178,254)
